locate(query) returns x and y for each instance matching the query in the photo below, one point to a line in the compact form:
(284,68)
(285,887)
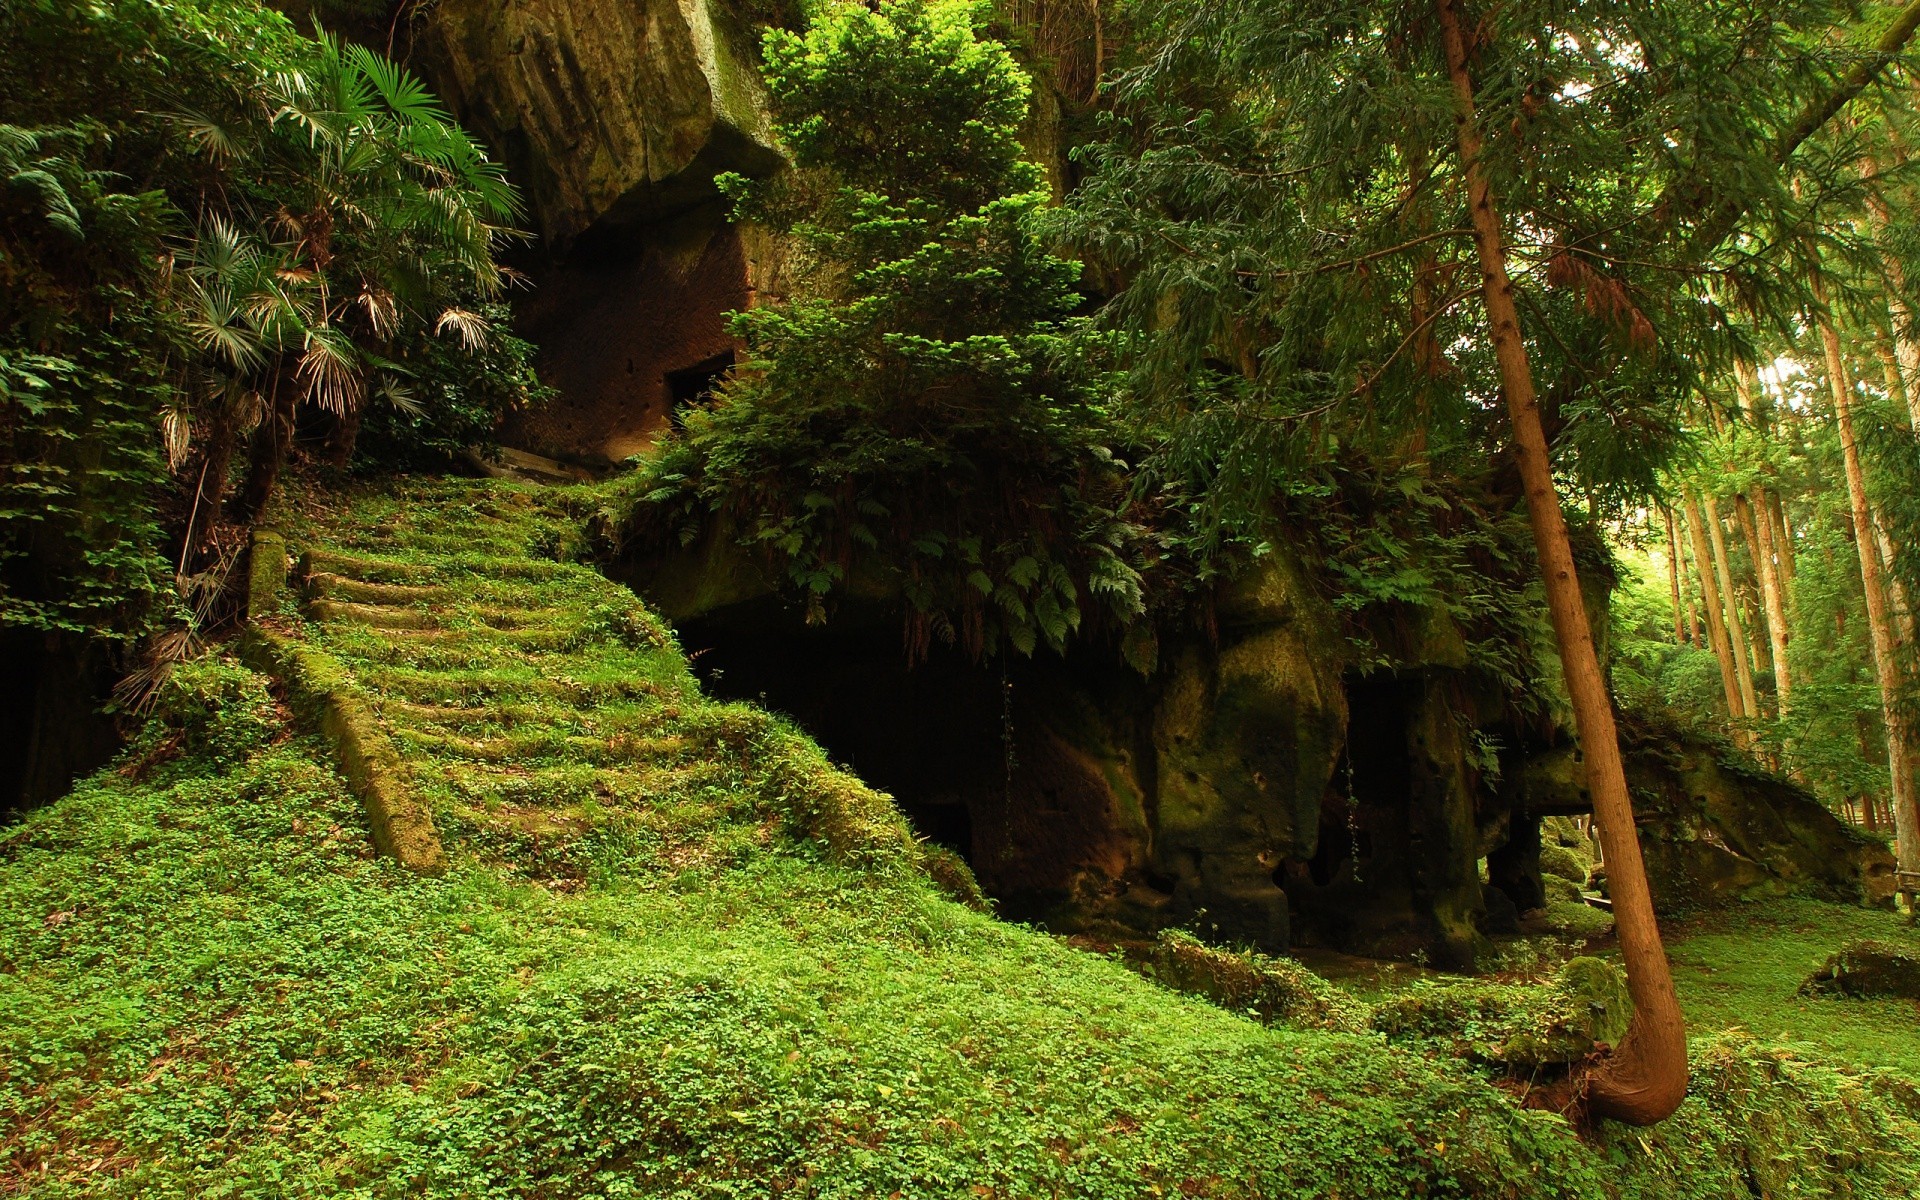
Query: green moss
(1559,860)
(1745,968)
(1273,990)
(1519,1026)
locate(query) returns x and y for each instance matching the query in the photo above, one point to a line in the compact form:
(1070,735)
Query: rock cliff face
(614,119)
(608,114)
(1715,828)
(1254,787)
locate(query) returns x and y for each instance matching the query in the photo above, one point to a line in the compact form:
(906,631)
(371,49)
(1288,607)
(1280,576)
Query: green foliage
(206,221)
(915,415)
(1520,1026)
(215,989)
(209,709)
(438,397)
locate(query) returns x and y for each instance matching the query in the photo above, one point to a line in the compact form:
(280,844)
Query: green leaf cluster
(917,417)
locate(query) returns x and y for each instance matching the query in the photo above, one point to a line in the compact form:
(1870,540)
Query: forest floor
(675,952)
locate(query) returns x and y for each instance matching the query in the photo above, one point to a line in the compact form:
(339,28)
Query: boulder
(1869,970)
(1520,1026)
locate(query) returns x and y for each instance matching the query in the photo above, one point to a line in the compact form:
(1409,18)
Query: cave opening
(1007,762)
(1359,859)
(694,385)
(934,735)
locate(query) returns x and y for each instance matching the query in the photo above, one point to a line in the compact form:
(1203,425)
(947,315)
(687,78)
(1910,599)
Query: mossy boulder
(1561,889)
(1868,970)
(1561,861)
(1520,1026)
(1273,990)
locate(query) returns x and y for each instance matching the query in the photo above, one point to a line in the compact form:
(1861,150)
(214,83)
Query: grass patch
(1743,968)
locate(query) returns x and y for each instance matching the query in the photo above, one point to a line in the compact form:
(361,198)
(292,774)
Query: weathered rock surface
(1714,828)
(614,119)
(605,113)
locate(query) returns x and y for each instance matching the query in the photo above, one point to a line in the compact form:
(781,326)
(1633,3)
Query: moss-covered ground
(677,954)
(1743,968)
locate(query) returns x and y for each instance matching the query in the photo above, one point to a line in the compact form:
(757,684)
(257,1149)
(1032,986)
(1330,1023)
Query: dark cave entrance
(690,386)
(1355,888)
(989,759)
(933,735)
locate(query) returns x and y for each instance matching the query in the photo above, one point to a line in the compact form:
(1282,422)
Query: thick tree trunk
(1736,629)
(1900,738)
(1716,626)
(1673,577)
(1759,525)
(1645,1078)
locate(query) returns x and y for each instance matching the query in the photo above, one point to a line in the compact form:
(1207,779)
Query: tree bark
(1716,625)
(1736,629)
(1900,738)
(1899,317)
(1673,577)
(1759,527)
(1783,543)
(1645,1078)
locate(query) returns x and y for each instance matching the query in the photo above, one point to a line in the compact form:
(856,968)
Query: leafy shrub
(443,397)
(917,412)
(212,709)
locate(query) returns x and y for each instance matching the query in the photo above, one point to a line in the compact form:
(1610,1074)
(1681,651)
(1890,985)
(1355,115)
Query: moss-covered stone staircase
(486,699)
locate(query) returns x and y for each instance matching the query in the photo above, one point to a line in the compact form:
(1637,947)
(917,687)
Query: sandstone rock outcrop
(605,114)
(614,119)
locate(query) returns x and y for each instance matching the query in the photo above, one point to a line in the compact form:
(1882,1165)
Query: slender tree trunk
(1716,625)
(1645,1079)
(1736,629)
(1759,527)
(1673,577)
(1760,541)
(1900,738)
(1783,543)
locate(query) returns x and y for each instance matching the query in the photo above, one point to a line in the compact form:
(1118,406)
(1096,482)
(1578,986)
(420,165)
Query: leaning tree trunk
(1900,737)
(1645,1078)
(1716,624)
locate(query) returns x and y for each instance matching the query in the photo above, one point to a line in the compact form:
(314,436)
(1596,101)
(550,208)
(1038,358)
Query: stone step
(324,585)
(374,616)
